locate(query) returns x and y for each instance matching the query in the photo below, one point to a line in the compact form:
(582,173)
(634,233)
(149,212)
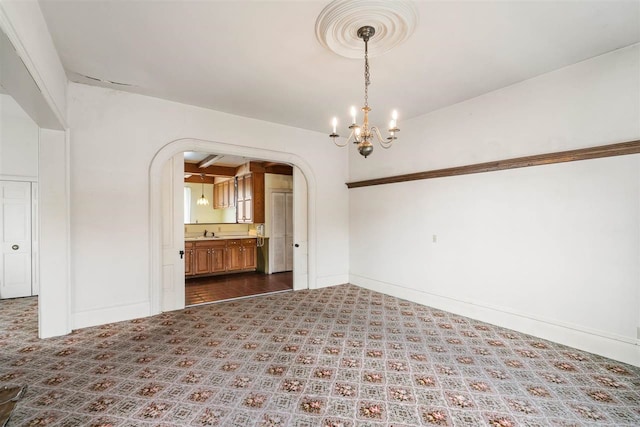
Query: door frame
(155,202)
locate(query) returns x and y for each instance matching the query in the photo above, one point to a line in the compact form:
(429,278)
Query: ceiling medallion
(338,23)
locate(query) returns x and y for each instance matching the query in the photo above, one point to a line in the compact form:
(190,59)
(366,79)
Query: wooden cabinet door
(248,187)
(232,192)
(216,196)
(240,211)
(225,194)
(240,189)
(218,260)
(249,251)
(219,195)
(248,211)
(235,256)
(202,264)
(188,260)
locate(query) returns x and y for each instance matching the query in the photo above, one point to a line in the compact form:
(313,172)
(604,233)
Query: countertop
(202,238)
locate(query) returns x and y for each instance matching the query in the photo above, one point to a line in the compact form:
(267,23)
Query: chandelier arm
(346,141)
(335,141)
(379,137)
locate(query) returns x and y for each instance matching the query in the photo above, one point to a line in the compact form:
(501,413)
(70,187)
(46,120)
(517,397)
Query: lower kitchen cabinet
(235,254)
(218,259)
(220,256)
(242,254)
(249,252)
(188,258)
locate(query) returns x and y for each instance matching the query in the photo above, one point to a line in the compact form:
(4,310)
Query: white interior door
(15,235)
(300,251)
(288,231)
(277,241)
(173,234)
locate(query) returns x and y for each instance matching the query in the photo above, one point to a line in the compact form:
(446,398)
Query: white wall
(26,29)
(18,142)
(54,303)
(551,250)
(36,78)
(114,136)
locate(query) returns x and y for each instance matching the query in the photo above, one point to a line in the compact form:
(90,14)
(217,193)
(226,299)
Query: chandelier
(363,135)
(202,201)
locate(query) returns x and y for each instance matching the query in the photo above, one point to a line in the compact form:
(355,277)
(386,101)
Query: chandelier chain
(367,75)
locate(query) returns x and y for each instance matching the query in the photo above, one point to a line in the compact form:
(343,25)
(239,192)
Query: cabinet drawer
(210,244)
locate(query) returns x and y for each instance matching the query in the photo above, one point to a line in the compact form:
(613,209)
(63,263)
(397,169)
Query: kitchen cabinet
(209,257)
(224,194)
(220,256)
(250,198)
(229,192)
(242,254)
(234,249)
(218,259)
(202,260)
(188,259)
(249,254)
(218,199)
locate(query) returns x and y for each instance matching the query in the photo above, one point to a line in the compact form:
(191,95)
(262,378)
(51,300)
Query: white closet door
(15,235)
(277,241)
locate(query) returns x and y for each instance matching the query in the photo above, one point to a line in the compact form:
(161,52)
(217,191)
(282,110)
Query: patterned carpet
(340,356)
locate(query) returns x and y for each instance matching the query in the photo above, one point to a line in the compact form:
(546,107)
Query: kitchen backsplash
(193,230)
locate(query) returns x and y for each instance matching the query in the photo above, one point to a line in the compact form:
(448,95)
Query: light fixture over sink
(202,201)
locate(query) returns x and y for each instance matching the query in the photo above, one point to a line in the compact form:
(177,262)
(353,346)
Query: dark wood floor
(218,288)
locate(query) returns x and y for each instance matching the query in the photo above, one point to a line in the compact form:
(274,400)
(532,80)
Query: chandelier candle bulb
(363,135)
(334,122)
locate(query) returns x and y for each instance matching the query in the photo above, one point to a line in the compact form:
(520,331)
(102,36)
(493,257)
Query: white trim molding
(155,202)
(609,345)
(102,316)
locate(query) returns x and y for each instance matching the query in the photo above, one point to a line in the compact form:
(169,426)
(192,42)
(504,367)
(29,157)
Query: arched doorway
(305,205)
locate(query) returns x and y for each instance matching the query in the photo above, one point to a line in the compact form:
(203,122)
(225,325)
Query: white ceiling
(261,59)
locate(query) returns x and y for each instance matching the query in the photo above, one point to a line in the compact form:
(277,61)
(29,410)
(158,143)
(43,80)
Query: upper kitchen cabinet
(250,198)
(224,194)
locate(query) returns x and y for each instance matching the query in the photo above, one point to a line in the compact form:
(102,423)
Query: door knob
(15,247)
(181,254)
(296,245)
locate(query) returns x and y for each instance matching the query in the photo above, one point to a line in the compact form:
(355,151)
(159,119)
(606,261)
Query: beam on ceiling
(210,170)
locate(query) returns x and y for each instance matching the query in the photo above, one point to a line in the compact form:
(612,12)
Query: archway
(155,202)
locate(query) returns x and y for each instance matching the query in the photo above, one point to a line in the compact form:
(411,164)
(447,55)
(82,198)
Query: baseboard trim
(325,282)
(84,319)
(605,344)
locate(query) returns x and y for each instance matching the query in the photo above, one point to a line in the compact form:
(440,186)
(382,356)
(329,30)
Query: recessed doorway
(232,227)
(166,217)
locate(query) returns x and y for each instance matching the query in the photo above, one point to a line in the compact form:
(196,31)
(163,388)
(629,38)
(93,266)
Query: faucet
(205,233)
